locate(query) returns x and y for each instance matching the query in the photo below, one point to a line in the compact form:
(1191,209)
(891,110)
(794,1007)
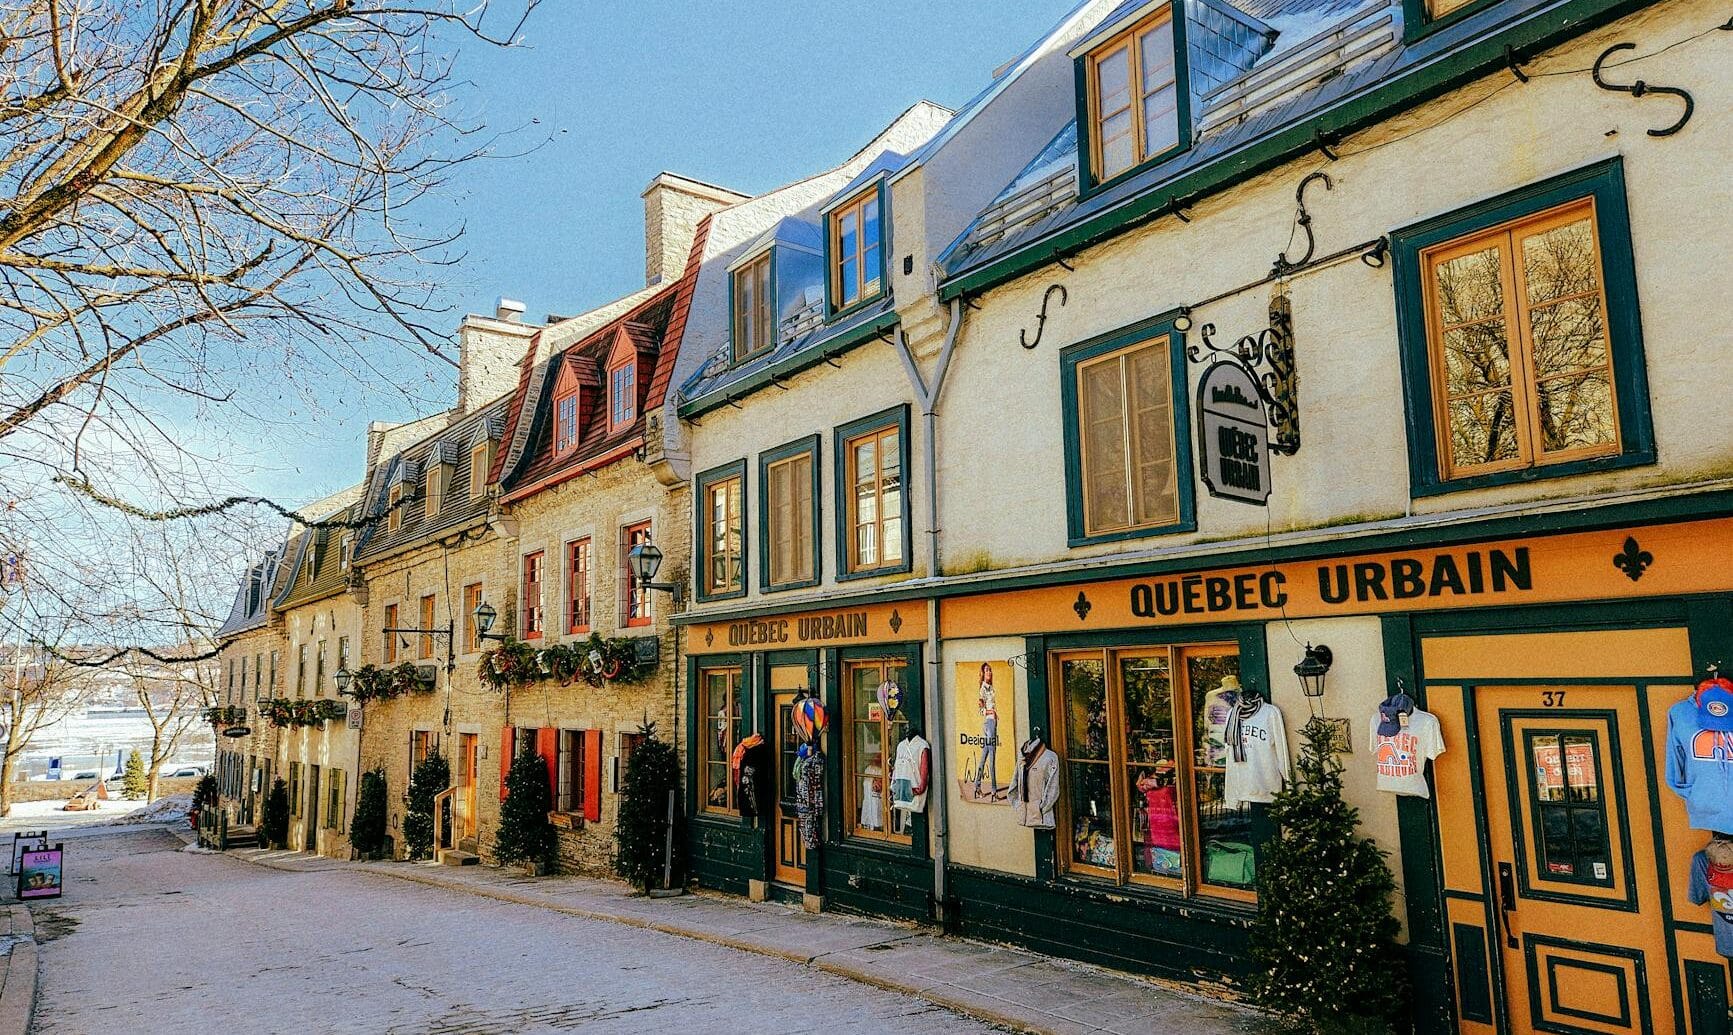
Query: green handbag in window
(1230,863)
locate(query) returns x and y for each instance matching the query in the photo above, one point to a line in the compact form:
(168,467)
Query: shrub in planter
(641,836)
(1324,947)
(525,835)
(367,830)
(430,777)
(274,821)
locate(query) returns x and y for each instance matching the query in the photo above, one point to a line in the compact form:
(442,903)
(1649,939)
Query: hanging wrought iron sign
(1267,360)
(1233,435)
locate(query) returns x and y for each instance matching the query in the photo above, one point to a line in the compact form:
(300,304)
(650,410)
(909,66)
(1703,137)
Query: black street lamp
(1312,669)
(485,615)
(646,559)
(343,678)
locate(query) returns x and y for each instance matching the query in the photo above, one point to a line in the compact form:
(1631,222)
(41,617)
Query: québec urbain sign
(1233,435)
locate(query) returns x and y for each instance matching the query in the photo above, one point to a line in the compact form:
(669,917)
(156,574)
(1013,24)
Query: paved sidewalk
(1003,986)
(17,969)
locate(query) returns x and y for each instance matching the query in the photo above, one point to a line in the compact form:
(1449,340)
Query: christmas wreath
(230,715)
(596,661)
(371,683)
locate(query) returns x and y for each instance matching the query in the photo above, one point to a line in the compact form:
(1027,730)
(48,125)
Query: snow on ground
(47,815)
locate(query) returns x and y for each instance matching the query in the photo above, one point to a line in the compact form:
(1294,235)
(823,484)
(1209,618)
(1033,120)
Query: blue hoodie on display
(1700,755)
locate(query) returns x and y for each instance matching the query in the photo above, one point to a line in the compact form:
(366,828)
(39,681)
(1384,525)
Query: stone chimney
(673,208)
(489,351)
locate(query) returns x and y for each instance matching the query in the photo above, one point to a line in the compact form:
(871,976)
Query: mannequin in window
(872,786)
(1161,813)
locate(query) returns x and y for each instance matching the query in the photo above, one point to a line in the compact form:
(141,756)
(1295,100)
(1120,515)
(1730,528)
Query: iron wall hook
(1041,317)
(1303,220)
(1641,88)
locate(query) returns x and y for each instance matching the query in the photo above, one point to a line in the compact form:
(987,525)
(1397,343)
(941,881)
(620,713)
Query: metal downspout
(937,782)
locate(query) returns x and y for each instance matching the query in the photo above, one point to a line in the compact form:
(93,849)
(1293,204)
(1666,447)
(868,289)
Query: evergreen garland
(641,835)
(432,776)
(274,821)
(133,783)
(525,835)
(1324,948)
(367,830)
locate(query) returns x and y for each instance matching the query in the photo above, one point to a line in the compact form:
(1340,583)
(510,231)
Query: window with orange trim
(565,422)
(622,395)
(425,649)
(471,601)
(636,604)
(532,596)
(389,647)
(578,586)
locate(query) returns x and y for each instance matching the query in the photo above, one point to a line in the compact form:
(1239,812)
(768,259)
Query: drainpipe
(928,397)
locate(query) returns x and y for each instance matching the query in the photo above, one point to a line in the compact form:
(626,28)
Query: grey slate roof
(251,609)
(716,375)
(458,509)
(1325,51)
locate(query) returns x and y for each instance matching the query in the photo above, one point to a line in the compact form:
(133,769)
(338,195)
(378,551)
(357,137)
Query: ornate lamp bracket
(1268,357)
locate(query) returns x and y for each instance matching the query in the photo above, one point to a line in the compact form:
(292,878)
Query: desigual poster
(986,740)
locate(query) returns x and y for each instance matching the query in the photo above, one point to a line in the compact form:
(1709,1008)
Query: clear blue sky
(748,96)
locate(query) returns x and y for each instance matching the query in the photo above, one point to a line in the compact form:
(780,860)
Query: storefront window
(870,741)
(1142,733)
(723,724)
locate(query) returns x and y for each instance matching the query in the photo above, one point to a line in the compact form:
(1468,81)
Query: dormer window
(754,324)
(855,256)
(480,459)
(1133,111)
(622,394)
(394,512)
(437,476)
(565,422)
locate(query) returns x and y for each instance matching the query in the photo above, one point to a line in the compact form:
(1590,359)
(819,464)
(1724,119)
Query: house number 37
(1552,698)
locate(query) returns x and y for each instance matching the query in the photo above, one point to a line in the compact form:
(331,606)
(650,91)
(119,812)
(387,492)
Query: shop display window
(1141,732)
(722,724)
(870,744)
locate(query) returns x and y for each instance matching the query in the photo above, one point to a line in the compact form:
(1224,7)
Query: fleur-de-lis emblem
(896,621)
(709,637)
(1633,560)
(1082,606)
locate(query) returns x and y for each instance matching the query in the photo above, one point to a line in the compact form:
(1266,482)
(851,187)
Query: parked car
(185,770)
(81,774)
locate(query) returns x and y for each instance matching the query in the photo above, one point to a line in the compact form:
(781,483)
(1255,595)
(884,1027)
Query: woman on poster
(989,707)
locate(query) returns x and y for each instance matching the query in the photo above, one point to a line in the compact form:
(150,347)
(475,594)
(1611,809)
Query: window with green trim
(1125,424)
(788,487)
(856,273)
(722,531)
(1520,337)
(1133,96)
(754,321)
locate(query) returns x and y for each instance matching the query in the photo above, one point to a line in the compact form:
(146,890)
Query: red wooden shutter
(593,775)
(548,746)
(506,754)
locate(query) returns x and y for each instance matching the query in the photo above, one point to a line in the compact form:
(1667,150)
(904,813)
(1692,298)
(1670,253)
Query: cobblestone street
(149,938)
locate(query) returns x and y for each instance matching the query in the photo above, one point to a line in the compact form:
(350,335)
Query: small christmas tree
(133,783)
(641,835)
(206,793)
(525,835)
(1324,946)
(274,821)
(367,831)
(430,777)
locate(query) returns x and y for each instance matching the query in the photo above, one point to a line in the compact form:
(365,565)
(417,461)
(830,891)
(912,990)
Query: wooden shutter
(593,775)
(506,754)
(1102,396)
(548,746)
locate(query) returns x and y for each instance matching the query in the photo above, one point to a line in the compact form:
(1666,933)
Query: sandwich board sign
(39,872)
(1233,435)
(22,842)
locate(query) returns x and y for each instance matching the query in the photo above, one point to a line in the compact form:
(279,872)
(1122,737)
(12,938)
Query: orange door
(468,765)
(787,849)
(1574,881)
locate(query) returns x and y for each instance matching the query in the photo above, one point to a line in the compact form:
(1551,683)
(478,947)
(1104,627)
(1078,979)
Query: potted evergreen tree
(367,831)
(525,835)
(274,821)
(1323,949)
(432,776)
(642,835)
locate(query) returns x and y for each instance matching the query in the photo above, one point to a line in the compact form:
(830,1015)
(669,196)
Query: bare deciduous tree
(37,690)
(191,190)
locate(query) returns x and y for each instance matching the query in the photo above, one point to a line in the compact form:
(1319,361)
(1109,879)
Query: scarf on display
(1249,703)
(1030,751)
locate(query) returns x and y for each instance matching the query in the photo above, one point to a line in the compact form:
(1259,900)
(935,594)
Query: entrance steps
(457,857)
(242,837)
